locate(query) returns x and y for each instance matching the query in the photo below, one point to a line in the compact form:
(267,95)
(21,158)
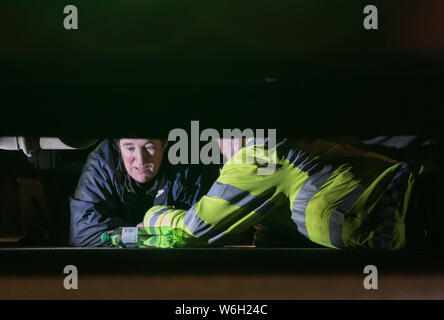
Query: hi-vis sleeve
(239,199)
(226,210)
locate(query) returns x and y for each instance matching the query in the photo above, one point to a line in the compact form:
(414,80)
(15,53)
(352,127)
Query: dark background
(304,67)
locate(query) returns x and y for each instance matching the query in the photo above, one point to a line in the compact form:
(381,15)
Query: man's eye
(131,149)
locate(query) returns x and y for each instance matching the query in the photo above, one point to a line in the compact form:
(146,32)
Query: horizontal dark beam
(303,67)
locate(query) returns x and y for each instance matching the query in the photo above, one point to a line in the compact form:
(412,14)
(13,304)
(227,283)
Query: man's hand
(140,225)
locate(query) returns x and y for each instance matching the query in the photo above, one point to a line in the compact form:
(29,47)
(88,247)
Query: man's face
(142,157)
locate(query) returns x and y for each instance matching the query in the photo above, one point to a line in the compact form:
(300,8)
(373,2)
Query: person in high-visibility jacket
(335,195)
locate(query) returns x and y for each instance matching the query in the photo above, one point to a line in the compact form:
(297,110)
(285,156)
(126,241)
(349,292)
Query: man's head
(142,157)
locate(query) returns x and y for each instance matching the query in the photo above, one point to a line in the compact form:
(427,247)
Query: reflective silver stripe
(301,159)
(230,193)
(201,229)
(197,227)
(308,190)
(337,216)
(155,217)
(234,196)
(242,198)
(263,209)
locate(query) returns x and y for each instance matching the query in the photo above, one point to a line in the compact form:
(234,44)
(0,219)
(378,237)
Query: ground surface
(220,273)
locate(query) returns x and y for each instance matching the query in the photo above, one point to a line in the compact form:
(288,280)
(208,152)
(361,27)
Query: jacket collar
(132,189)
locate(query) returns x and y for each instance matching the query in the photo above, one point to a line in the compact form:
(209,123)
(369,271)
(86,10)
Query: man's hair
(120,171)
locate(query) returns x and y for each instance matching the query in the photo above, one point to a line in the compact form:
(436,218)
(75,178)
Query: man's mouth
(142,170)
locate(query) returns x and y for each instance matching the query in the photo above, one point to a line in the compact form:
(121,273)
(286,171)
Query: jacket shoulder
(99,170)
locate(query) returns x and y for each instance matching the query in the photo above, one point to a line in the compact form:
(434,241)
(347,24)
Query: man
(332,194)
(122,179)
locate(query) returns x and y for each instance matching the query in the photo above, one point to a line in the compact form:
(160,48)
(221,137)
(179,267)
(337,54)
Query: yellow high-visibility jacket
(333,194)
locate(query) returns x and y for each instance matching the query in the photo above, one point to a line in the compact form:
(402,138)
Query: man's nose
(142,157)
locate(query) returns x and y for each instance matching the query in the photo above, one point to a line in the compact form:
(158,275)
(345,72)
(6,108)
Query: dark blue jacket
(107,198)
